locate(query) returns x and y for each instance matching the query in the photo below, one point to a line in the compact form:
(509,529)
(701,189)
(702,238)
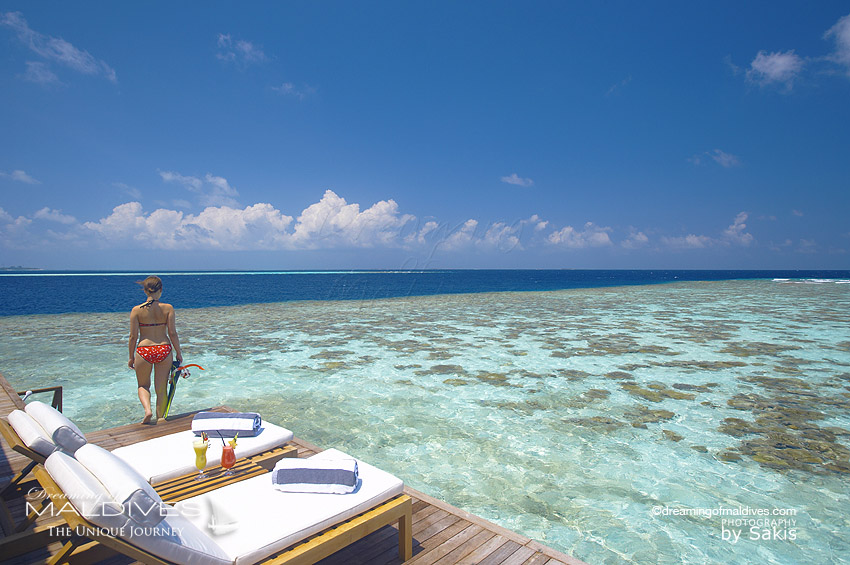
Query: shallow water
(590,420)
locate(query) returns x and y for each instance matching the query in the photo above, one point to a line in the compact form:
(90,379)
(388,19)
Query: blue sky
(278,135)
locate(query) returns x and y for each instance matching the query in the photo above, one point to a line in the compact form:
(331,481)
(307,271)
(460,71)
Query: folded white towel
(227,424)
(331,476)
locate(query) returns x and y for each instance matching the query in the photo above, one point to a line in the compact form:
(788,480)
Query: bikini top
(147,305)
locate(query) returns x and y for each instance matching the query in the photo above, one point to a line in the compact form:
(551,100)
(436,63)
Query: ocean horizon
(617,416)
(57,292)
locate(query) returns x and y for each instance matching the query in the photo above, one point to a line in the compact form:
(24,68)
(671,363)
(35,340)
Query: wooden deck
(442,534)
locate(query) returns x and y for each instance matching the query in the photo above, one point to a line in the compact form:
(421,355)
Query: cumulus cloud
(333,221)
(590,235)
(537,223)
(517,180)
(775,68)
(735,234)
(19,176)
(241,52)
(55,49)
(635,240)
(690,241)
(329,223)
(260,226)
(54,216)
(211,190)
(460,237)
(840,34)
(14,232)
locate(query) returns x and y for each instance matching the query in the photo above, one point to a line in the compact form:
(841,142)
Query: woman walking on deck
(153,340)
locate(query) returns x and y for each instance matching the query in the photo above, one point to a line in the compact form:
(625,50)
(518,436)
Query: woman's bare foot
(147,419)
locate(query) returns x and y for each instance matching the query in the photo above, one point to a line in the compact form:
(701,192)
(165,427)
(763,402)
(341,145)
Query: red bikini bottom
(154,353)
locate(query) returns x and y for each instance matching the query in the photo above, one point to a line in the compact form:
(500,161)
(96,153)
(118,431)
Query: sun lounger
(240,524)
(41,429)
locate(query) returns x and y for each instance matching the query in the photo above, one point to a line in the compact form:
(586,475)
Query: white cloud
(19,176)
(241,52)
(635,240)
(14,232)
(130,191)
(260,226)
(840,33)
(329,223)
(211,190)
(55,49)
(590,236)
(538,223)
(54,216)
(622,84)
(725,160)
(40,73)
(460,237)
(775,68)
(516,180)
(736,233)
(333,222)
(501,236)
(289,89)
(688,242)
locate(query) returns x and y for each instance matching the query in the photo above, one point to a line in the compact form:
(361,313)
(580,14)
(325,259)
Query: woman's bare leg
(160,381)
(143,377)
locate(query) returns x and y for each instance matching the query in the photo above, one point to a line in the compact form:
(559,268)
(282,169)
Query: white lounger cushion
(31,433)
(87,494)
(177,540)
(266,520)
(63,431)
(140,502)
(167,457)
(174,539)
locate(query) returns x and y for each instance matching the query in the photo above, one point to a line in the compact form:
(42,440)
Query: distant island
(19,268)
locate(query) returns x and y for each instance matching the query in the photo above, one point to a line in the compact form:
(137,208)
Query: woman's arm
(173,337)
(134,336)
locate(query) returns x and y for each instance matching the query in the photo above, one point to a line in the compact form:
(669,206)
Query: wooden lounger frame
(306,552)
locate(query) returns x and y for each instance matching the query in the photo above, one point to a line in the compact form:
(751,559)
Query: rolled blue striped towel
(227,424)
(331,476)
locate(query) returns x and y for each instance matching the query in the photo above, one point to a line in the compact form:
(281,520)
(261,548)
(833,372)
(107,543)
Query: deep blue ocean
(57,292)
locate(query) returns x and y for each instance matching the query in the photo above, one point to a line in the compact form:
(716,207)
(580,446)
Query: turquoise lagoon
(646,424)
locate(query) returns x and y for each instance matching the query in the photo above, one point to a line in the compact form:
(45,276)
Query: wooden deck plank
(537,559)
(442,534)
(468,546)
(483,550)
(441,537)
(501,553)
(447,544)
(519,556)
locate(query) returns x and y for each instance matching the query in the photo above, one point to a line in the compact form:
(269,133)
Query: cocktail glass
(200,447)
(228,459)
